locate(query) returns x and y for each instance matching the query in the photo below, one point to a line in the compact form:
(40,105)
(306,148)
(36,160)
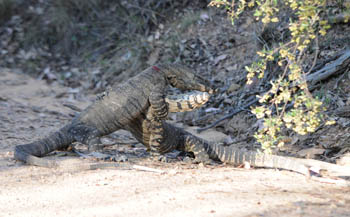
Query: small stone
(150,38)
(233,87)
(344,160)
(219,58)
(204,16)
(232,68)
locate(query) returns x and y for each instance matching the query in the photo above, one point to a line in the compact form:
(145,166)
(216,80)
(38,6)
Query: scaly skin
(173,138)
(124,107)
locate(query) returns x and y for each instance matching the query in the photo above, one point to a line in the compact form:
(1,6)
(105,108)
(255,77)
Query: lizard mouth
(204,88)
(203,85)
(207,89)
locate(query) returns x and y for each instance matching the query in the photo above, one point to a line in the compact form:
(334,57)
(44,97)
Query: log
(338,66)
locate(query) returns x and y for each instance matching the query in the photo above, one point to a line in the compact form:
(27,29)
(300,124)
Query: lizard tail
(31,153)
(238,157)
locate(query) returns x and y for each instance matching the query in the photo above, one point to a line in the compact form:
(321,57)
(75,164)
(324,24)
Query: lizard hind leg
(86,135)
(91,137)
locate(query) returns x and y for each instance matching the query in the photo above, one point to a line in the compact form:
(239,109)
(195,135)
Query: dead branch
(230,115)
(338,66)
(332,170)
(73,107)
(340,18)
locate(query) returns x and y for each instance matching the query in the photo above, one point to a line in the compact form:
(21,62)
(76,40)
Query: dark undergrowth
(84,32)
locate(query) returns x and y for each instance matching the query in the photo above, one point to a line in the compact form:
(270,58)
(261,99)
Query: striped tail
(239,157)
(31,153)
(187,101)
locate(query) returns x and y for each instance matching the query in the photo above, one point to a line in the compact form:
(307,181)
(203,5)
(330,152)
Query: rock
(210,135)
(233,87)
(219,58)
(311,152)
(204,16)
(344,160)
(231,67)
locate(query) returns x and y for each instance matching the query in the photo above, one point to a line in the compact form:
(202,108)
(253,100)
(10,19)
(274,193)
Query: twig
(341,77)
(228,116)
(315,58)
(105,165)
(148,169)
(338,182)
(73,107)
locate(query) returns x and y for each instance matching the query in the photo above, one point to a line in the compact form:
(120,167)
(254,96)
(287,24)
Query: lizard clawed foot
(118,158)
(164,159)
(190,160)
(205,161)
(160,157)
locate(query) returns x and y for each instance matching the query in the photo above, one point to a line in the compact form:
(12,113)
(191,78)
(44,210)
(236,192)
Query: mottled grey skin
(124,107)
(173,138)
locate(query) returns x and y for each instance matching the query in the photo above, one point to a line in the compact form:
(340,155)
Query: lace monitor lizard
(149,127)
(123,107)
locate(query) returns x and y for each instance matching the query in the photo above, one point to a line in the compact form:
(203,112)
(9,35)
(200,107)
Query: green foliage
(290,88)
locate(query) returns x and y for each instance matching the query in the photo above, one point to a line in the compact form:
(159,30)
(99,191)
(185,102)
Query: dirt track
(30,109)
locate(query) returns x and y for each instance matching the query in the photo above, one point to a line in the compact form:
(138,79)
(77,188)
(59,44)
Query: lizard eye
(172,80)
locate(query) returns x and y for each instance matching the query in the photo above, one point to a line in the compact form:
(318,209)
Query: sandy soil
(30,109)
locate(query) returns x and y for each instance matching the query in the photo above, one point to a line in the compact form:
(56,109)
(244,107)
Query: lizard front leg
(156,131)
(159,106)
(188,143)
(157,112)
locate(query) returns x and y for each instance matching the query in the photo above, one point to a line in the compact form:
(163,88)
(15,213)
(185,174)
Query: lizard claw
(118,158)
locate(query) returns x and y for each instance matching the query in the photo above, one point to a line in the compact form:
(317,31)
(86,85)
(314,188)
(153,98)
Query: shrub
(289,102)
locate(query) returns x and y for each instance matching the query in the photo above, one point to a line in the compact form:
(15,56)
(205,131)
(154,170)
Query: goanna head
(183,78)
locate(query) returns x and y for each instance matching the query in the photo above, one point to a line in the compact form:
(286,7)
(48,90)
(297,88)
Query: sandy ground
(30,109)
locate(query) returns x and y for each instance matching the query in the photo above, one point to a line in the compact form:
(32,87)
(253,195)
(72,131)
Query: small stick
(338,182)
(73,107)
(148,169)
